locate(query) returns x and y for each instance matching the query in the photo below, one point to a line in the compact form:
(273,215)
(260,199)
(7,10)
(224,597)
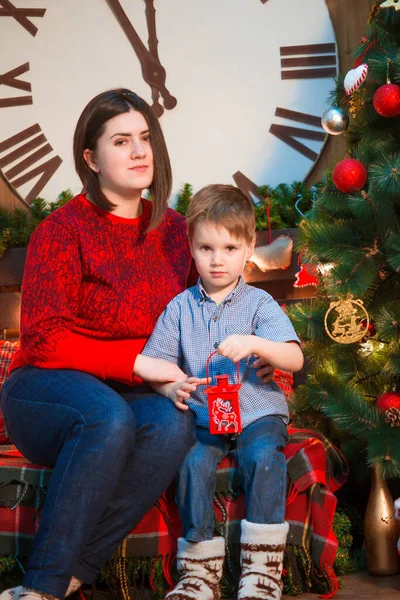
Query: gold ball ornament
(346,320)
(335,121)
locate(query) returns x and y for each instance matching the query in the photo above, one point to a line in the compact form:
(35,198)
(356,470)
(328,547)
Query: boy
(222,312)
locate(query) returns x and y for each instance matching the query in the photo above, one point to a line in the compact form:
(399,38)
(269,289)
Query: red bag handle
(237,366)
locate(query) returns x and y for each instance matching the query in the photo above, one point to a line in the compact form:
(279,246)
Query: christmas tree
(351,237)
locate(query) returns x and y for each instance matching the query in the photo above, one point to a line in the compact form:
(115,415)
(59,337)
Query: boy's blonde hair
(225,206)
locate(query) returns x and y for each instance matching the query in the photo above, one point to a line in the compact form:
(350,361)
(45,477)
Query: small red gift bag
(223,403)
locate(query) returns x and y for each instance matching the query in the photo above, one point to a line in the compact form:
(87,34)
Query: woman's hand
(265,369)
(180,391)
(157,370)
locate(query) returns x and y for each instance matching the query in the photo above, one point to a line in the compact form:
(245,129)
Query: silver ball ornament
(335,121)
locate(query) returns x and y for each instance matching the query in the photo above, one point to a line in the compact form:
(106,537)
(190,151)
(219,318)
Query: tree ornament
(354,78)
(308,275)
(343,320)
(277,255)
(389,405)
(335,121)
(371,329)
(391,4)
(397,516)
(355,103)
(387,100)
(349,175)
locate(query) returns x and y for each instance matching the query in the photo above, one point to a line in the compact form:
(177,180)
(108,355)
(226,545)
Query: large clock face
(239,85)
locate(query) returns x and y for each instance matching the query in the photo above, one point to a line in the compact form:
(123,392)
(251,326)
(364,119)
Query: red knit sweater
(94,285)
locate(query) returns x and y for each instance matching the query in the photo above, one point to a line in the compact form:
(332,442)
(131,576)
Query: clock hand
(169,102)
(156,106)
(153,72)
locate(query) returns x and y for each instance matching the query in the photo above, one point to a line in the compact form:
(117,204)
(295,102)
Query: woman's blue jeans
(113,454)
(262,464)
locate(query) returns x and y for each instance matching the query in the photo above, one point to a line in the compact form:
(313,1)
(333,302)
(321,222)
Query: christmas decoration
(346,327)
(354,78)
(389,405)
(397,516)
(308,275)
(387,100)
(371,330)
(349,175)
(335,121)
(380,529)
(223,403)
(359,234)
(277,255)
(391,4)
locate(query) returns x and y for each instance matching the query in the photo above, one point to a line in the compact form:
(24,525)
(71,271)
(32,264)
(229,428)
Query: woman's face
(123,158)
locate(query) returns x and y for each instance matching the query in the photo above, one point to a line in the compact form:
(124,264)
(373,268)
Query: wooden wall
(349,19)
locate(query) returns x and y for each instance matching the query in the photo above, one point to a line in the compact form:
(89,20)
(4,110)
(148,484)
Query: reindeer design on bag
(224,415)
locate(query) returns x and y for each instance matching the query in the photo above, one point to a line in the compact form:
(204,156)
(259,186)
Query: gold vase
(380,528)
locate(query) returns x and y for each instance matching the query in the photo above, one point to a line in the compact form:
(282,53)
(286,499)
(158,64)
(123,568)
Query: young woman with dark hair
(99,272)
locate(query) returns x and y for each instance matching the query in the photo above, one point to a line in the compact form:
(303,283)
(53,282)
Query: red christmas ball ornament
(389,404)
(371,328)
(349,175)
(387,100)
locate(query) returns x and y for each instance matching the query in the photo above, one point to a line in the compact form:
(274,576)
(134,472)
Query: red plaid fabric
(316,469)
(285,381)
(7,351)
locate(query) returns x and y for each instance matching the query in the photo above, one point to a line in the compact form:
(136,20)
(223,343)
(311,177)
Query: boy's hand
(157,369)
(237,347)
(180,391)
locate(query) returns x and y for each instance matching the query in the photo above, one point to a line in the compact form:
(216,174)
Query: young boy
(222,312)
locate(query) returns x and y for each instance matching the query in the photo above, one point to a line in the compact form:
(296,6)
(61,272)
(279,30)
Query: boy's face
(220,257)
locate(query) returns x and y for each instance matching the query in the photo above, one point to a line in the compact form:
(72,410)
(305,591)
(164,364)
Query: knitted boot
(15,593)
(261,558)
(200,570)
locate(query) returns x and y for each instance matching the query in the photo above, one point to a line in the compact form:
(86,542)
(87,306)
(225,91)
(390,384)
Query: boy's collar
(203,295)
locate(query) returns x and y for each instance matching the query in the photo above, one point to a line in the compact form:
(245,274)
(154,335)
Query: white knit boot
(200,570)
(11,594)
(15,593)
(261,558)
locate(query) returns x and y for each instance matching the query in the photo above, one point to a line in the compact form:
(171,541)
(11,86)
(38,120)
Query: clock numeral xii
(15,174)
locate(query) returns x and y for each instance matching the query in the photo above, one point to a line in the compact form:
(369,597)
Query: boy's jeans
(262,465)
(113,454)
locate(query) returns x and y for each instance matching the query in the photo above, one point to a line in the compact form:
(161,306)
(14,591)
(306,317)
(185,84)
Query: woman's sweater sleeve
(50,304)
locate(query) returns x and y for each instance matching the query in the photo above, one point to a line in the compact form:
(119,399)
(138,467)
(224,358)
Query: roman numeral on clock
(10,79)
(248,187)
(21,15)
(316,59)
(289,134)
(18,175)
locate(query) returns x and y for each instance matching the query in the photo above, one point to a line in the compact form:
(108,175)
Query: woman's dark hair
(90,127)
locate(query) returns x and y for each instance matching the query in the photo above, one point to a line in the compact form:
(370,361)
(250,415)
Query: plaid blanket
(7,351)
(316,469)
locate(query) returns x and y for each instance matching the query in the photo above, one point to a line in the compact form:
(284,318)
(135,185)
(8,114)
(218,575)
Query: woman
(99,272)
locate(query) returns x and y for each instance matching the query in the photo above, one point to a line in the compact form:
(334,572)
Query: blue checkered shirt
(193,325)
